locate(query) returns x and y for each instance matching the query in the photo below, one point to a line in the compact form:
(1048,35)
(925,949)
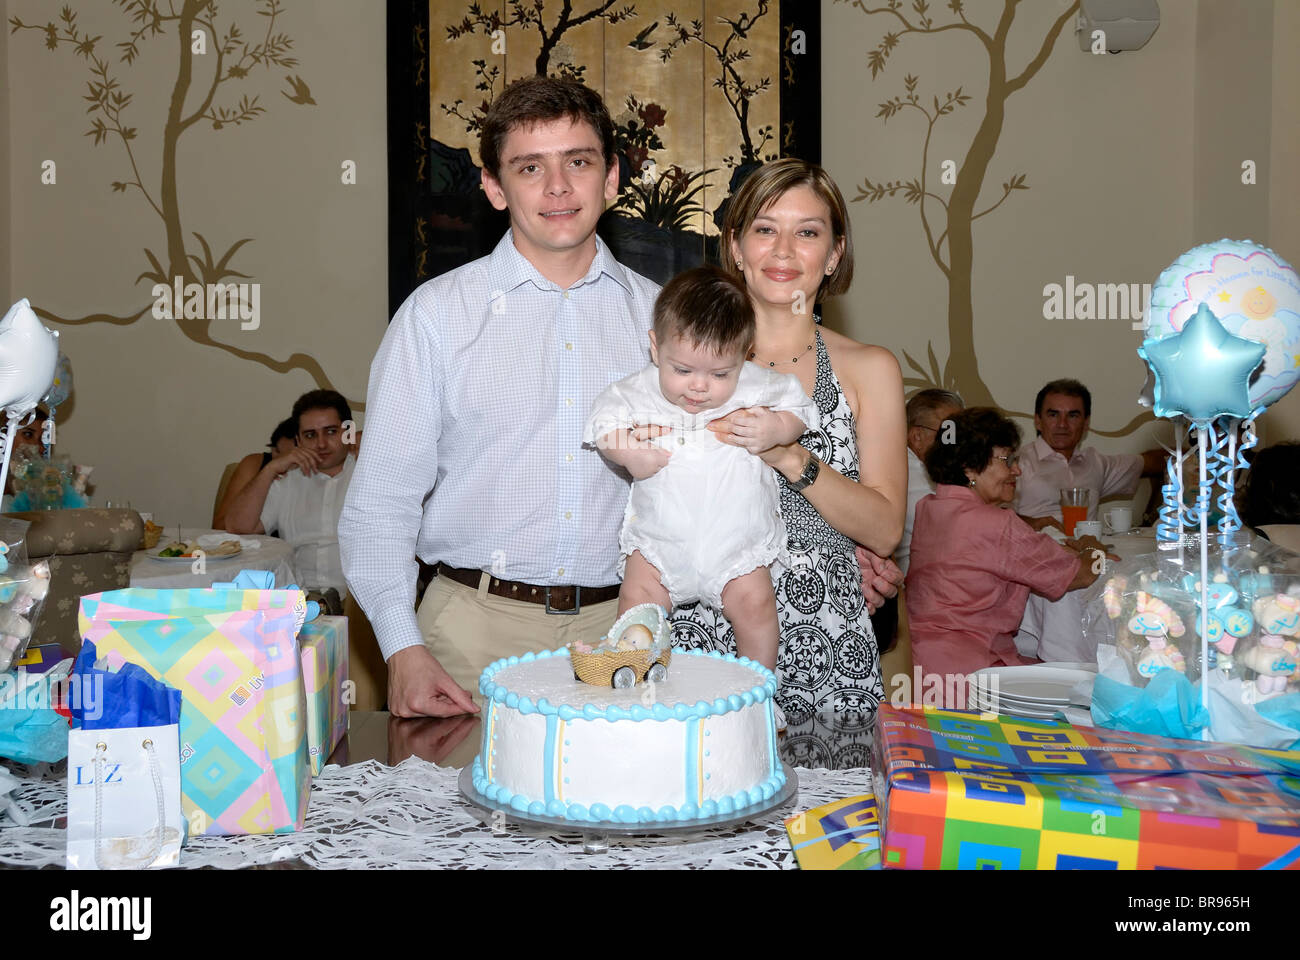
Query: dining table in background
(1052,630)
(271,553)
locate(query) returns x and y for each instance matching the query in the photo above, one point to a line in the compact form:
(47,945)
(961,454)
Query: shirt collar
(511,268)
(1043,451)
(950,491)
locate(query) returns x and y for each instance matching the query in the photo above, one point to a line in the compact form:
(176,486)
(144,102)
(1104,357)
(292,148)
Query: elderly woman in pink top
(974,563)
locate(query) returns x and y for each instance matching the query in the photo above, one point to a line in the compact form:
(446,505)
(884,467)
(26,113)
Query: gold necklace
(773,363)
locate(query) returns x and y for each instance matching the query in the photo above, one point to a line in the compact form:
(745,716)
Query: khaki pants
(467,629)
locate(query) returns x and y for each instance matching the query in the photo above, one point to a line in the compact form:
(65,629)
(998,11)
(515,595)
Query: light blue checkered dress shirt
(473,454)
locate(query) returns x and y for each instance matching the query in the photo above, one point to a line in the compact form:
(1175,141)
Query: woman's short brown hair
(532,100)
(769,183)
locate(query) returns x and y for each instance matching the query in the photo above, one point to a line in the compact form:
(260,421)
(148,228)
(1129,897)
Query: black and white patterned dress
(827,661)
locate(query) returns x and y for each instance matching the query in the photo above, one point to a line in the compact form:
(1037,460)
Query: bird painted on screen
(639,42)
(301,92)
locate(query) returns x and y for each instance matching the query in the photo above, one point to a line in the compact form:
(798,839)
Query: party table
(384,803)
(1052,630)
(259,553)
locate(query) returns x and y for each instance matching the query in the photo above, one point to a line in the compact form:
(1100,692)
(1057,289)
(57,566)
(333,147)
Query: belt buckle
(577,604)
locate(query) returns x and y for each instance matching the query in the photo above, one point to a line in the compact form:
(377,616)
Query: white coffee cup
(1087,528)
(1119,519)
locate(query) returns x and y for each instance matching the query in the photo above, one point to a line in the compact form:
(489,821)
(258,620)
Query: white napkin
(210,540)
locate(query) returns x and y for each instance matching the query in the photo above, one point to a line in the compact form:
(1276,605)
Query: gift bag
(124,781)
(124,798)
(234,656)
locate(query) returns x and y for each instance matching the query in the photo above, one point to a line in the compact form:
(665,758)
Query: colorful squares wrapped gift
(975,791)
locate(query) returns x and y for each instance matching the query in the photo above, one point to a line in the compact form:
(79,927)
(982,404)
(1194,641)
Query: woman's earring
(971,482)
(739,265)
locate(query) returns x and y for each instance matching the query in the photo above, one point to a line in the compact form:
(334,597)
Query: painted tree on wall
(211,60)
(961,370)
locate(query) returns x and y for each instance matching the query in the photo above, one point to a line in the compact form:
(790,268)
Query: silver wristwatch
(809,475)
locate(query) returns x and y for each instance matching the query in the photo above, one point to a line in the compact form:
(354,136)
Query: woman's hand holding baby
(758,429)
(633,449)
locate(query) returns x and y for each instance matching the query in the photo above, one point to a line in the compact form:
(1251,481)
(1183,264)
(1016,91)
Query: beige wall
(157,414)
(1124,171)
(4,159)
(1283,419)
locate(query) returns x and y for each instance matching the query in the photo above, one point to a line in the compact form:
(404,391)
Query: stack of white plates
(1040,691)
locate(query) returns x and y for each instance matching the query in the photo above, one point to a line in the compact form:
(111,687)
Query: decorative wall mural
(948,220)
(217,62)
(701,93)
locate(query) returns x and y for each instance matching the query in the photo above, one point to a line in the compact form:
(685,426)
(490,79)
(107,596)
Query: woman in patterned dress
(786,234)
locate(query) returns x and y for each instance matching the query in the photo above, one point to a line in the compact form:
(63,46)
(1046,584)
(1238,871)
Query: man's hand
(633,450)
(758,429)
(419,687)
(881,578)
(300,458)
(1042,523)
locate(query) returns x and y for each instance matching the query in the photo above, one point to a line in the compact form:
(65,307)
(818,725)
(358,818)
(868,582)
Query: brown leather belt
(562,600)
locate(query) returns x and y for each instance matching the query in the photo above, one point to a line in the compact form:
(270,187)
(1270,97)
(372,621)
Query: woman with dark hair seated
(283,439)
(1269,496)
(973,563)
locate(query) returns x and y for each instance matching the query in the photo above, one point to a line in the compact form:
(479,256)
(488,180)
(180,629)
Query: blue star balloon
(1204,371)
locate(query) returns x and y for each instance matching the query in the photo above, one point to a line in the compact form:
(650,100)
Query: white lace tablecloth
(372,816)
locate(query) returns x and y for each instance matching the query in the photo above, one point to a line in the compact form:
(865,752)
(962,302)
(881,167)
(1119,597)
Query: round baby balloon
(1252,291)
(61,389)
(29,352)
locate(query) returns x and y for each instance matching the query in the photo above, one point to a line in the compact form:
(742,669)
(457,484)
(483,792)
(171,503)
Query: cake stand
(596,837)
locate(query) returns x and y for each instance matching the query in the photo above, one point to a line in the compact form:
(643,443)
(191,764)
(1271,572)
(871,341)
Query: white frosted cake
(698,744)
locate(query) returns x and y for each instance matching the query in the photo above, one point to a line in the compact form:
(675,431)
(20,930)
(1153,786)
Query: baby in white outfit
(703,521)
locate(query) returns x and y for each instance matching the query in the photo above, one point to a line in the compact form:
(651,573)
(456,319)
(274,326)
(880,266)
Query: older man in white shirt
(1055,460)
(927,411)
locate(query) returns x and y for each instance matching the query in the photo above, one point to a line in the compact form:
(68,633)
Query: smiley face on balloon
(1254,295)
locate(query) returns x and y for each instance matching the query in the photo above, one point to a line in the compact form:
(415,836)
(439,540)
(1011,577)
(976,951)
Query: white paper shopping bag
(124,798)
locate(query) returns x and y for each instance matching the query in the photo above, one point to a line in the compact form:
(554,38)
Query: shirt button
(568,514)
(568,346)
(568,458)
(568,402)
(560,572)
(566,297)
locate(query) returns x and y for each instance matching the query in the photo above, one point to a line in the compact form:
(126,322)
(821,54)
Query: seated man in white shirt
(301,492)
(1055,460)
(927,411)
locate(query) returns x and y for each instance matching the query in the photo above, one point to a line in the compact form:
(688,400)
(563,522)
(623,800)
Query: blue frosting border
(598,812)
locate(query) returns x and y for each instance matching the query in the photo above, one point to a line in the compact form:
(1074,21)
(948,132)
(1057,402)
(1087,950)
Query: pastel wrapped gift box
(324,645)
(234,656)
(977,791)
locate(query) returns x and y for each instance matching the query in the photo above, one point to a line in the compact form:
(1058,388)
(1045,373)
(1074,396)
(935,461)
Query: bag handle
(101,751)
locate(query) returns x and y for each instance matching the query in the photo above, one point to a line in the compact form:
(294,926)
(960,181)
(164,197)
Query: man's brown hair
(707,307)
(534,100)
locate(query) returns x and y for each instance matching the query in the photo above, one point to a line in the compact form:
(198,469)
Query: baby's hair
(707,307)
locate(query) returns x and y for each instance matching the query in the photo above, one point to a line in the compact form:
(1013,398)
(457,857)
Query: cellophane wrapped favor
(1145,617)
(23,588)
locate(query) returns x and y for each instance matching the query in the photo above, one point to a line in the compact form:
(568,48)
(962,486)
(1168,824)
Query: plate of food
(186,550)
